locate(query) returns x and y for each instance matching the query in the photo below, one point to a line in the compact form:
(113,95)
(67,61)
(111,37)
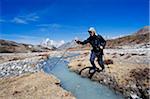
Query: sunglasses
(90,32)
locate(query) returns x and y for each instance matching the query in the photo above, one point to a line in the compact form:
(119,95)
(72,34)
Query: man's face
(91,33)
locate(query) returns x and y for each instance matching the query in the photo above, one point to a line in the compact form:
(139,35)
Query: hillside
(144,30)
(11,46)
(130,40)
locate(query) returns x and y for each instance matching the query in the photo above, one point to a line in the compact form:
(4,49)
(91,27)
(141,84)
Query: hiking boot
(92,70)
(98,70)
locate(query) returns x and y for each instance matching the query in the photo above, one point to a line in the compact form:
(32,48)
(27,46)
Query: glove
(101,47)
(78,42)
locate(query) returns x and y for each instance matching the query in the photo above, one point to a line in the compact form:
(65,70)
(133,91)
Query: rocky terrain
(13,65)
(127,71)
(22,77)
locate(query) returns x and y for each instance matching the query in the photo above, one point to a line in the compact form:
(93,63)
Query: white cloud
(54,25)
(19,21)
(31,17)
(25,19)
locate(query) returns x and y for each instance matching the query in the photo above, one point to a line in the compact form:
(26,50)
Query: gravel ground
(18,67)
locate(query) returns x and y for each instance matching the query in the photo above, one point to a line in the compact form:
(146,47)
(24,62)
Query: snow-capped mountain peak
(51,43)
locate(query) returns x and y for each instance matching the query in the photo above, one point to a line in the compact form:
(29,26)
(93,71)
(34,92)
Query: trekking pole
(60,58)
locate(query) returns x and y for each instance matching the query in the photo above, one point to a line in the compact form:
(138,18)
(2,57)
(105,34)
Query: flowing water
(81,88)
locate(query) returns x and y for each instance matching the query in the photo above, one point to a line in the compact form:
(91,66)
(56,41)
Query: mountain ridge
(140,37)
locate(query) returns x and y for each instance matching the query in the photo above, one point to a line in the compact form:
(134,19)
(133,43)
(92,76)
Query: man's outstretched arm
(84,42)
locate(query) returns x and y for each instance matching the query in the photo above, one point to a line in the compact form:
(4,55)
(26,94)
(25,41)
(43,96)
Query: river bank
(81,88)
(22,77)
(128,71)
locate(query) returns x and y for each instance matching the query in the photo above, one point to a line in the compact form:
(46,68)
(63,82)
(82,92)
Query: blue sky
(31,21)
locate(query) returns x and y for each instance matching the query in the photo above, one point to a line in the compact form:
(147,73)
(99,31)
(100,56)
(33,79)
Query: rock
(108,61)
(26,70)
(142,54)
(20,72)
(133,86)
(134,96)
(79,64)
(44,63)
(8,68)
(104,80)
(1,67)
(121,54)
(148,91)
(18,67)
(25,66)
(114,56)
(127,57)
(13,66)
(134,54)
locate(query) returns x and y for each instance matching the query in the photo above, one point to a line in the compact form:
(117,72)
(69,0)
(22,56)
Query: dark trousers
(100,59)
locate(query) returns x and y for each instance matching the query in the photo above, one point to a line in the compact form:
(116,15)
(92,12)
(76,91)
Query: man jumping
(98,44)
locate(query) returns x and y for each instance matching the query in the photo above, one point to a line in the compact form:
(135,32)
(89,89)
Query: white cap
(91,29)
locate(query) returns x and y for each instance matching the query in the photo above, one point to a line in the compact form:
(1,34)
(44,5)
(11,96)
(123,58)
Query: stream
(81,88)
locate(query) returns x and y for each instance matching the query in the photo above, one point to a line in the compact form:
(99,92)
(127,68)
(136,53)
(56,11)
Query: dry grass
(32,86)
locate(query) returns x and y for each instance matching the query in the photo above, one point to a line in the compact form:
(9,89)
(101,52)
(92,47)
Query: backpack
(102,41)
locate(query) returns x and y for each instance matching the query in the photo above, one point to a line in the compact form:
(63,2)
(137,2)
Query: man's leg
(92,58)
(101,62)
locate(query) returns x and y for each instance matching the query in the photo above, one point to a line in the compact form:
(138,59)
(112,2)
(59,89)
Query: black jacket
(96,41)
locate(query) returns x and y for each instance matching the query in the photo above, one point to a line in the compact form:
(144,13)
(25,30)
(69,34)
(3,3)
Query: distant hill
(144,30)
(14,47)
(68,45)
(135,40)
